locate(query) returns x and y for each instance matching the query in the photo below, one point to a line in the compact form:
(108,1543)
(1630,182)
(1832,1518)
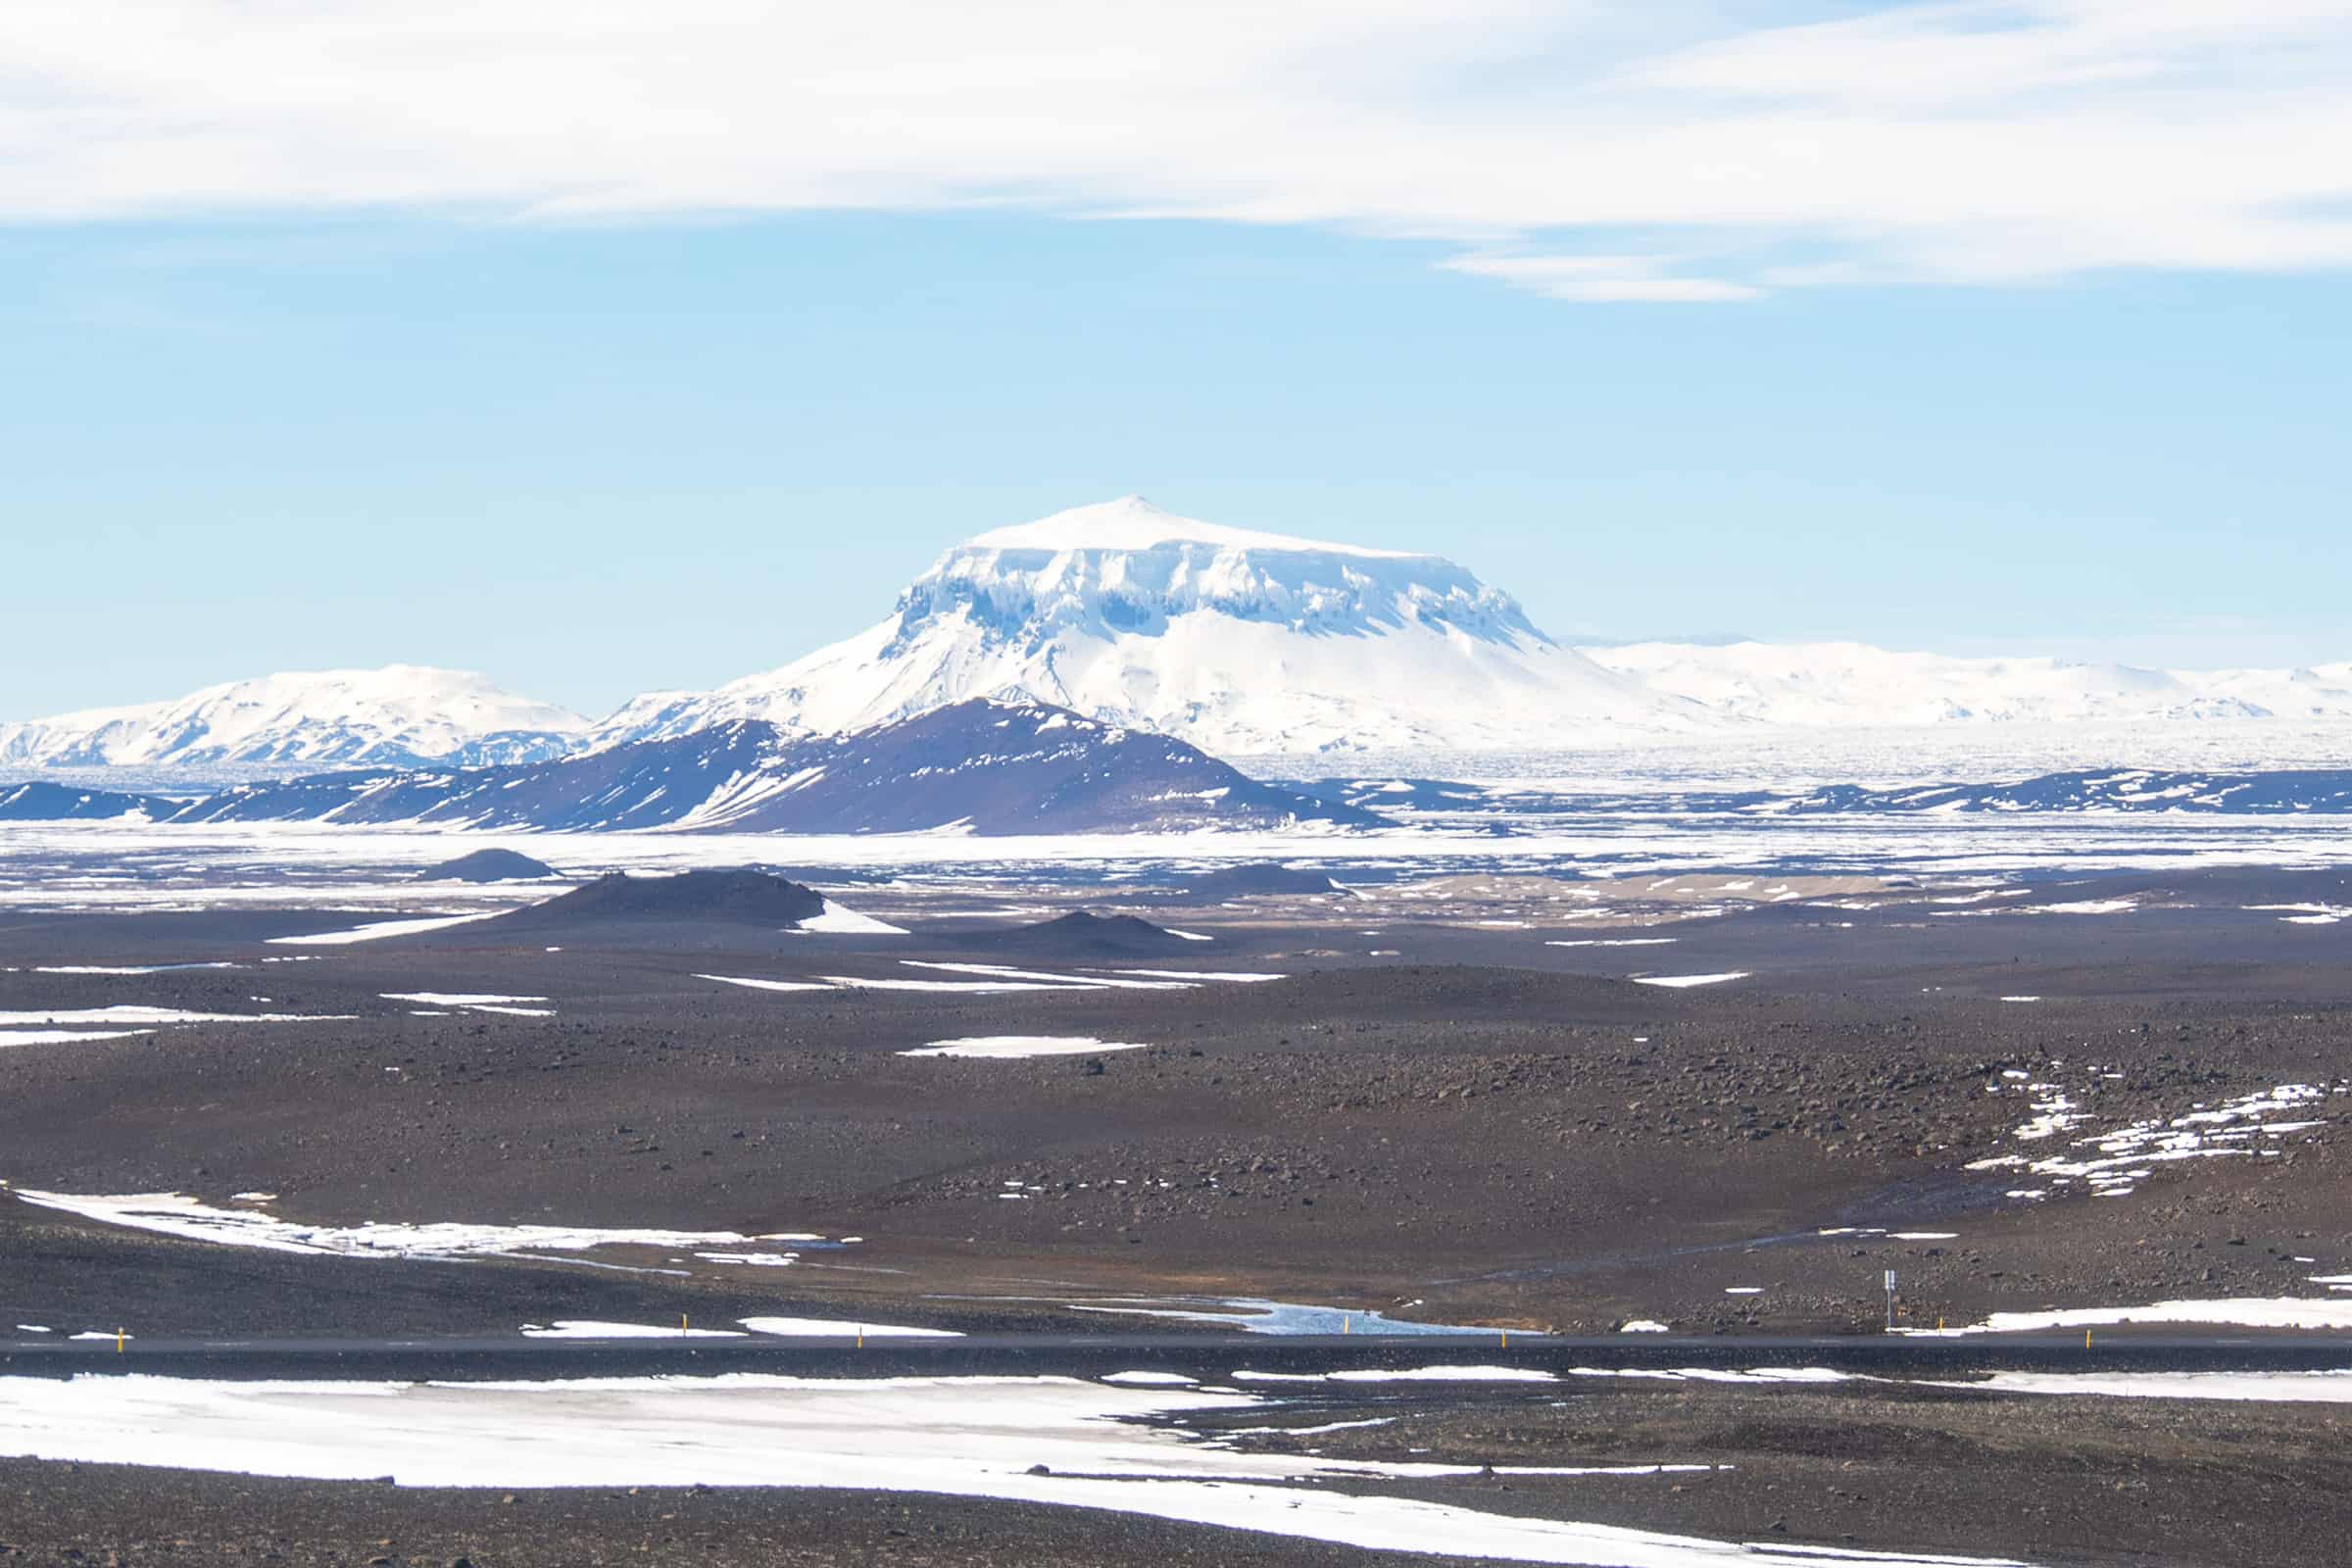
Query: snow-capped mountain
(1234,641)
(401,715)
(1817,685)
(1253,642)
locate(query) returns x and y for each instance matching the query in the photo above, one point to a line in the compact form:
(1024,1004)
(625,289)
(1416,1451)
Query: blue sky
(682,431)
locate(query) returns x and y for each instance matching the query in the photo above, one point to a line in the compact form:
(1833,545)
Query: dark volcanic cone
(736,898)
(489,865)
(1082,936)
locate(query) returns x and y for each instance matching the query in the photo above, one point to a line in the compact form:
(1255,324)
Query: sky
(625,347)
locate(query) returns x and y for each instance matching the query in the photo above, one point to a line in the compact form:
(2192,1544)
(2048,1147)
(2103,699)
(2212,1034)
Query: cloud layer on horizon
(1597,151)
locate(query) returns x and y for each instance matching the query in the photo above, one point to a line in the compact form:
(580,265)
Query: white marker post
(1890,1300)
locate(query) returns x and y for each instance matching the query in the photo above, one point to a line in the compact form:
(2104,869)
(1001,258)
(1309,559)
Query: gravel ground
(1471,1138)
(1480,1129)
(112,1514)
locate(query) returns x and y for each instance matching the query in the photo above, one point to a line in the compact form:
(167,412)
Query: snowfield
(176,1214)
(1059,1440)
(1013,1048)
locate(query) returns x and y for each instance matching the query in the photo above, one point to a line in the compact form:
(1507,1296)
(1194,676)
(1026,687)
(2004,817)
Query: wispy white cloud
(1965,142)
(1600,279)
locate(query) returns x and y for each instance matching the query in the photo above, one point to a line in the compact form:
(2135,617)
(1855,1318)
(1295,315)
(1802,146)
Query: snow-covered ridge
(1845,685)
(400,715)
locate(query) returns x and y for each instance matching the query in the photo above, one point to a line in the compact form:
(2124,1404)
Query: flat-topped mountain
(1232,640)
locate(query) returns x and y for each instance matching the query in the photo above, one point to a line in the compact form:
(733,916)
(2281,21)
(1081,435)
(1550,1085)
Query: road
(1203,1356)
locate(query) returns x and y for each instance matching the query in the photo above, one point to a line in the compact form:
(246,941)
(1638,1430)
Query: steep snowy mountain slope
(976,766)
(400,715)
(1814,685)
(1231,640)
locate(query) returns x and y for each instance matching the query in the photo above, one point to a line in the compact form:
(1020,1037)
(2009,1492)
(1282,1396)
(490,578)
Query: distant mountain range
(1232,641)
(403,716)
(1853,685)
(975,767)
(992,768)
(2280,791)
(2308,791)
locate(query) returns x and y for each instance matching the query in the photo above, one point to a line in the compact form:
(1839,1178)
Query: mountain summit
(1132,523)
(1233,640)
